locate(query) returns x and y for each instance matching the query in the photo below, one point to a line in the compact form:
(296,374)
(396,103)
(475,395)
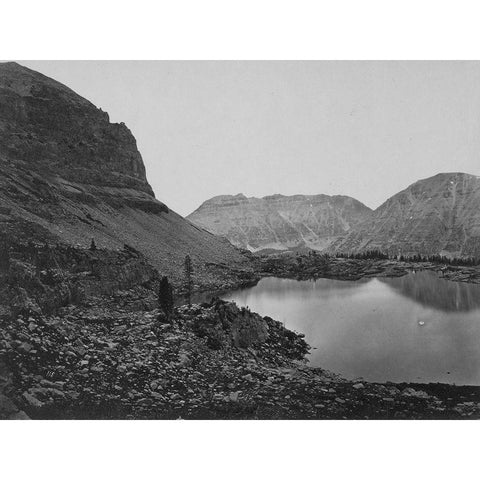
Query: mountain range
(70,175)
(437,215)
(280,222)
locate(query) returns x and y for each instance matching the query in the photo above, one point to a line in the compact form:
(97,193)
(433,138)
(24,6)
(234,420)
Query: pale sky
(364,129)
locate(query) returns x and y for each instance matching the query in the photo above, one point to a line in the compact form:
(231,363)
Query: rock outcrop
(437,215)
(69,175)
(280,222)
(43,278)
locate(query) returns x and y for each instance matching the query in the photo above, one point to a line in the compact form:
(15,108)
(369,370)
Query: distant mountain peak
(280,222)
(436,215)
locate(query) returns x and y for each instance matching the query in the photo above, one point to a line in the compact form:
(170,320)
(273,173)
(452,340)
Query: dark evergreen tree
(188,269)
(165,297)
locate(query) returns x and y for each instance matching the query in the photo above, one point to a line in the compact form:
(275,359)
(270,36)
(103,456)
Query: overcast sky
(364,129)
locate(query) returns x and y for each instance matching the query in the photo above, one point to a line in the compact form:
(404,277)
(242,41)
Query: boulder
(227,325)
(31,400)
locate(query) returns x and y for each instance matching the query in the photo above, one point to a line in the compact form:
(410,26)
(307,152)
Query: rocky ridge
(280,222)
(69,175)
(437,215)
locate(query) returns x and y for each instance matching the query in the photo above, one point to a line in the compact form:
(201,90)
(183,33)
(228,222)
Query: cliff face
(53,131)
(69,175)
(440,214)
(280,222)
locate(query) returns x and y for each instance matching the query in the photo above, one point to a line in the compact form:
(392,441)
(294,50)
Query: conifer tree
(188,269)
(165,297)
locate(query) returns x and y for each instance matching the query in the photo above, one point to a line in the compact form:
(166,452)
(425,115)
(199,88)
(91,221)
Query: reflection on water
(414,328)
(427,288)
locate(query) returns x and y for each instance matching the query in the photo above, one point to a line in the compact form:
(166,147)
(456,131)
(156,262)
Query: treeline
(442,259)
(462,262)
(368,254)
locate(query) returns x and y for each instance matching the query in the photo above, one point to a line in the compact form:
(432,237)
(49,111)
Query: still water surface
(416,328)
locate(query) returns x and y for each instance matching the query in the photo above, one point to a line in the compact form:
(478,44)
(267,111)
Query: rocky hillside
(69,175)
(213,361)
(280,222)
(440,214)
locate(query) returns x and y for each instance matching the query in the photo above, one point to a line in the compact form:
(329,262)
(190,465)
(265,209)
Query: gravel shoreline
(212,361)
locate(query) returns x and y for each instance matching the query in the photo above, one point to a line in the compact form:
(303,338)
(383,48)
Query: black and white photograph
(262,259)
(240,242)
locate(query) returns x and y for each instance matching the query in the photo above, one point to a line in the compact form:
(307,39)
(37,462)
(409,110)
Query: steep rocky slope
(280,222)
(440,214)
(69,175)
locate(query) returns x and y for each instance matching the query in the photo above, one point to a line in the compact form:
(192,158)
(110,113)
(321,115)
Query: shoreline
(362,268)
(211,362)
(356,269)
(116,357)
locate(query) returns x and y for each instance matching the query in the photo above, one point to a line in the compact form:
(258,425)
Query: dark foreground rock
(210,361)
(41,277)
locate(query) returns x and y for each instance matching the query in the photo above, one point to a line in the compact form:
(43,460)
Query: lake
(416,328)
